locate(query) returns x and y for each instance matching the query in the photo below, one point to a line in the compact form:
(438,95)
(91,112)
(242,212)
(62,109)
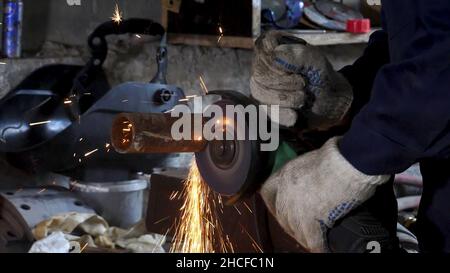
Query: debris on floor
(74,232)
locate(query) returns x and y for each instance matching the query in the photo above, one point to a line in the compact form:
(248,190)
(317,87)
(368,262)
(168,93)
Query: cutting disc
(337,11)
(282,13)
(232,168)
(318,18)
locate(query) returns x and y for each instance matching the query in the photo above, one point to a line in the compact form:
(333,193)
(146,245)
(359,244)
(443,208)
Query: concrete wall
(55,20)
(131,60)
(220,68)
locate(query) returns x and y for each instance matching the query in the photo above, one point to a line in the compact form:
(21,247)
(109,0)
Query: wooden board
(325,39)
(205,40)
(335,38)
(198,22)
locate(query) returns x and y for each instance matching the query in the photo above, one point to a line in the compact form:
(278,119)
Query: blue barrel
(12,28)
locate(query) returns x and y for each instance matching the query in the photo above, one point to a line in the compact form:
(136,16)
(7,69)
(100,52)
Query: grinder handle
(97,41)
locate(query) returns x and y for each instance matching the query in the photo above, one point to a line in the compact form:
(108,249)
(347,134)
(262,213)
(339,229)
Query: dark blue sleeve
(408,115)
(361,74)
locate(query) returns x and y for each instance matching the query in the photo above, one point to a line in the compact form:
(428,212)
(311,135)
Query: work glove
(298,77)
(309,194)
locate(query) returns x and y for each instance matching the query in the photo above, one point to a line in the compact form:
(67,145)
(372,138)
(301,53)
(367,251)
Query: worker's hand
(298,77)
(309,194)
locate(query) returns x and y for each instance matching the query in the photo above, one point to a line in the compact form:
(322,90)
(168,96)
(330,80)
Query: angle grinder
(231,167)
(236,168)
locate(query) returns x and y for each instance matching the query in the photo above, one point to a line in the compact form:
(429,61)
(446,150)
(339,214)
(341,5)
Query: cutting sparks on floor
(199,229)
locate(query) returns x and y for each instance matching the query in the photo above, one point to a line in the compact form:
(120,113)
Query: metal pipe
(151,133)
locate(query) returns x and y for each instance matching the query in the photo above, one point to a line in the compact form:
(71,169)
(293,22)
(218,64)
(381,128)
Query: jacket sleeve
(408,115)
(361,74)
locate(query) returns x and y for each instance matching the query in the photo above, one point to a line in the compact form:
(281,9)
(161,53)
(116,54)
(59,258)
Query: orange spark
(254,243)
(173,195)
(198,229)
(117,15)
(40,123)
(161,220)
(82,249)
(220,35)
(91,152)
(203,85)
(237,210)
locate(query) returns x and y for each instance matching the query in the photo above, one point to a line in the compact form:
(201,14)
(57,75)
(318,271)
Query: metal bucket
(120,203)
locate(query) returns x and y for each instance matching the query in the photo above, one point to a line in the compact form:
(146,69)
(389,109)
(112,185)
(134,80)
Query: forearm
(408,115)
(362,73)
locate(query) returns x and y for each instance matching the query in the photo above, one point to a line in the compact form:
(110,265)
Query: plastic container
(358,26)
(120,203)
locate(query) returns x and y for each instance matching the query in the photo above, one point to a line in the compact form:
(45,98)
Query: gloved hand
(310,193)
(294,75)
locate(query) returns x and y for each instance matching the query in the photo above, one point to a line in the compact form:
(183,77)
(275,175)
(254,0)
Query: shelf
(334,38)
(211,41)
(316,39)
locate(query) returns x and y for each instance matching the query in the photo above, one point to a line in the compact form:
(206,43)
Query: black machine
(59,118)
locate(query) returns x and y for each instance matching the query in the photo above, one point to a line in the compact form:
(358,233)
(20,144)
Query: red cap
(358,25)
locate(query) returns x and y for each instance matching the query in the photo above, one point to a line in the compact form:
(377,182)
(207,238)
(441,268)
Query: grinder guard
(233,167)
